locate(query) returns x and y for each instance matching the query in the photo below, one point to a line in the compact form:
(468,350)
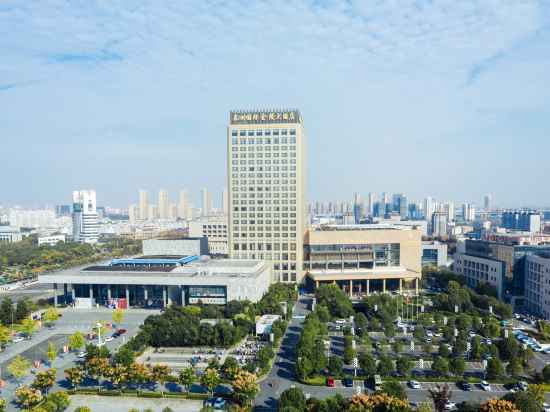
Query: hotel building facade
(266,158)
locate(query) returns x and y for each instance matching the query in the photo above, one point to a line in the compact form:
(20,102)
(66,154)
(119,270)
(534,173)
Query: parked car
(121,331)
(414,385)
(330,382)
(522,385)
(81,355)
(18,339)
(216,403)
(485,386)
(450,405)
(347,382)
(109,339)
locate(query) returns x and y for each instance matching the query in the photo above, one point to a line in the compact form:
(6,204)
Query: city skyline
(425,86)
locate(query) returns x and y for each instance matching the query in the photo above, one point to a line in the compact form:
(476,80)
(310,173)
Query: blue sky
(442,98)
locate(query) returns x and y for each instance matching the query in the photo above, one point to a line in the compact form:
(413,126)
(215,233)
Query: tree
(404,366)
(394,389)
(367,364)
(440,396)
(292,398)
(245,386)
(440,366)
(457,366)
(186,378)
(397,346)
(28,326)
(76,341)
(125,356)
(22,309)
(537,392)
(476,349)
(19,367)
(159,373)
(7,313)
(335,365)
(5,335)
(444,351)
(50,316)
(51,353)
(336,301)
(60,399)
(118,316)
(515,367)
(544,329)
(28,397)
(498,405)
(385,366)
(494,368)
(83,409)
(210,379)
(44,380)
(524,401)
(74,376)
(425,406)
(323,313)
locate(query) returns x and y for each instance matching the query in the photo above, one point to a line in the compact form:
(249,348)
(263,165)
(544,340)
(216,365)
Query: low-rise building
(215,229)
(434,253)
(537,284)
(176,247)
(265,323)
(479,270)
(10,234)
(51,240)
(362,259)
(160,281)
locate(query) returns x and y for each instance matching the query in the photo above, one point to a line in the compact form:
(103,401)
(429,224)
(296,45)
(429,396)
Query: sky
(443,98)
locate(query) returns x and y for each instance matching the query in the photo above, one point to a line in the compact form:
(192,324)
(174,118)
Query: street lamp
(98,325)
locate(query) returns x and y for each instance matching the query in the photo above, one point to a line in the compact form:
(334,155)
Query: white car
(546,407)
(340,321)
(81,355)
(429,334)
(415,385)
(450,405)
(18,339)
(109,339)
(472,334)
(485,386)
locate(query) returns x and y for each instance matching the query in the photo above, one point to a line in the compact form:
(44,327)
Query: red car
(330,382)
(121,331)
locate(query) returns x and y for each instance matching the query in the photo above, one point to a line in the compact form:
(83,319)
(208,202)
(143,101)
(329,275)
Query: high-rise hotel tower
(266,156)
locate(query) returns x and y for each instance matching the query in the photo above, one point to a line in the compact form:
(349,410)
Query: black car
(465,386)
(347,382)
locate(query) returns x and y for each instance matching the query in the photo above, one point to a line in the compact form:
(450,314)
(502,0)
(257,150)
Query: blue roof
(155,261)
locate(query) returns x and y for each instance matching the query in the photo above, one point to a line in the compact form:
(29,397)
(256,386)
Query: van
(377,383)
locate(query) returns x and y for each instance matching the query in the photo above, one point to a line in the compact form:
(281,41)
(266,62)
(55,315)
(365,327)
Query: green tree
(444,351)
(292,398)
(28,397)
(60,399)
(51,352)
(367,364)
(85,409)
(404,366)
(19,367)
(385,366)
(245,385)
(76,341)
(335,365)
(494,368)
(440,396)
(515,367)
(524,401)
(125,356)
(118,316)
(336,301)
(22,309)
(186,378)
(5,335)
(544,329)
(440,366)
(75,376)
(394,389)
(28,326)
(397,346)
(210,379)
(457,366)
(7,312)
(323,313)
(50,316)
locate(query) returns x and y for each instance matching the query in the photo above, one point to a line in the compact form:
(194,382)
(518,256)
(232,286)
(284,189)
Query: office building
(51,240)
(133,214)
(429,208)
(62,210)
(85,219)
(372,201)
(266,180)
(10,234)
(357,208)
(183,205)
(468,212)
(434,253)
(480,270)
(214,228)
(143,205)
(439,224)
(163,205)
(225,202)
(523,220)
(537,284)
(362,259)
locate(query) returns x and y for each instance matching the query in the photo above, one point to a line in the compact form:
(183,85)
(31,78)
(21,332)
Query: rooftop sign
(265,117)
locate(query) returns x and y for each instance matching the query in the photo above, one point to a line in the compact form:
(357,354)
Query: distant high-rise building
(143,205)
(163,205)
(439,224)
(468,212)
(63,210)
(400,205)
(524,220)
(133,214)
(487,202)
(206,202)
(269,181)
(153,212)
(183,207)
(225,202)
(85,219)
(428,208)
(357,208)
(372,200)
